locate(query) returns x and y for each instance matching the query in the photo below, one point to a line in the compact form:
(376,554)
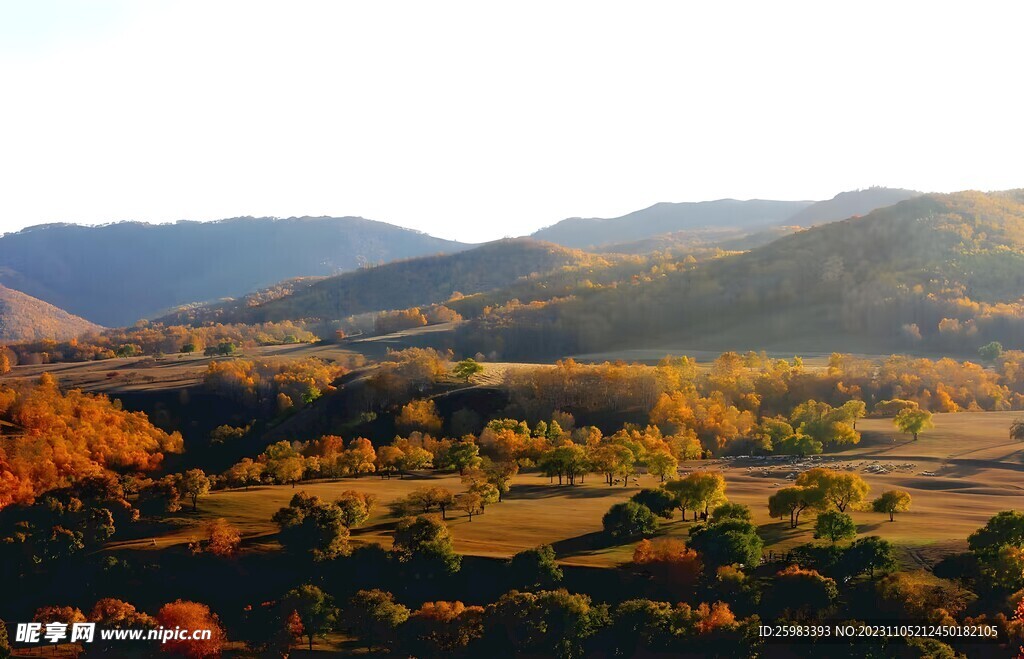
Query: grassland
(978,472)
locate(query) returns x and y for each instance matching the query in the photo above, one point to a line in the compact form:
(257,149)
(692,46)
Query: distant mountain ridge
(24,318)
(118,273)
(750,216)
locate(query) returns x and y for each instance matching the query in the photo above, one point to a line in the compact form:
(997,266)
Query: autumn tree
(834,526)
(245,473)
(792,501)
(315,609)
(800,594)
(892,502)
(355,507)
(223,539)
(1017,429)
(191,615)
(419,415)
(471,503)
(913,421)
(669,561)
(441,629)
(842,490)
(194,484)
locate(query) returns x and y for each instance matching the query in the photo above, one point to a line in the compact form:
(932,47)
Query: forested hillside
(397,285)
(24,318)
(939,272)
(118,273)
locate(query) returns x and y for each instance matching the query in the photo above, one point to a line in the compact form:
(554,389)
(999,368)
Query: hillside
(665,218)
(936,272)
(24,318)
(396,285)
(119,273)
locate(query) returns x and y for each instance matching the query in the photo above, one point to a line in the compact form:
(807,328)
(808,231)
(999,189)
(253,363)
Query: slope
(850,204)
(118,273)
(939,273)
(397,285)
(24,318)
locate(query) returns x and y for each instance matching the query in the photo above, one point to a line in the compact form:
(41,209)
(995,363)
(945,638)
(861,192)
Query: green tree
(991,351)
(727,541)
(466,369)
(869,555)
(834,526)
(425,542)
(355,507)
(535,568)
(794,500)
(660,501)
(913,421)
(374,615)
(462,455)
(1017,429)
(546,623)
(892,502)
(315,608)
(311,526)
(629,520)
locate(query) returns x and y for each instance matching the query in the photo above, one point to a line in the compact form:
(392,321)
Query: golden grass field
(978,473)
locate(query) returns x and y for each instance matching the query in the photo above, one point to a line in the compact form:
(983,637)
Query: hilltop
(24,318)
(118,273)
(396,285)
(665,225)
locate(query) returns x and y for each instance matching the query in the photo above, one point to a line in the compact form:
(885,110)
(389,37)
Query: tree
(798,444)
(5,645)
(245,473)
(442,629)
(913,421)
(628,520)
(355,507)
(194,484)
(315,608)
(669,561)
(794,500)
(834,526)
(312,526)
(991,351)
(1017,429)
(471,503)
(732,511)
(425,539)
(500,473)
(535,568)
(223,539)
(868,555)
(800,594)
(727,541)
(429,498)
(662,464)
(840,489)
(546,623)
(374,616)
(462,455)
(466,369)
(419,415)
(709,489)
(191,615)
(892,502)
(854,410)
(660,501)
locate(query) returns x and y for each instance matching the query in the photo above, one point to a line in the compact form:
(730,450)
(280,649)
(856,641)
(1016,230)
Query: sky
(478,120)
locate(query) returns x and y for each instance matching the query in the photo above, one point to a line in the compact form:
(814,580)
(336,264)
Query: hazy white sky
(475,120)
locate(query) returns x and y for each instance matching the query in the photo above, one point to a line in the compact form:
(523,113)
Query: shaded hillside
(695,240)
(940,272)
(850,204)
(118,273)
(401,284)
(669,217)
(24,318)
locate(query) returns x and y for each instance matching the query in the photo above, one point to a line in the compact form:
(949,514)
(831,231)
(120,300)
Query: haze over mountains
(115,274)
(24,318)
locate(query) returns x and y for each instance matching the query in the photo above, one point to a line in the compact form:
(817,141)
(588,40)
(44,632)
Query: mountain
(118,273)
(850,204)
(24,318)
(396,285)
(670,217)
(937,272)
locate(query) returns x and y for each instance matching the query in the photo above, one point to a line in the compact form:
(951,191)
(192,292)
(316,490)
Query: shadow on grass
(585,544)
(569,491)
